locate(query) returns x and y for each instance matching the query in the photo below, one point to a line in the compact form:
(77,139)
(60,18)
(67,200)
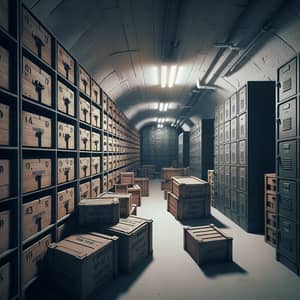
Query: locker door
(287,199)
(233,105)
(233,180)
(227,199)
(234,202)
(243,211)
(233,153)
(227,153)
(243,179)
(243,100)
(227,132)
(242,132)
(287,119)
(221,134)
(287,161)
(227,177)
(287,85)
(242,152)
(227,110)
(221,154)
(233,129)
(221,114)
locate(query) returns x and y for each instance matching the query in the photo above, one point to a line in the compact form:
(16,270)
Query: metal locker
(287,203)
(227,154)
(287,83)
(233,177)
(233,105)
(216,117)
(216,134)
(287,159)
(221,134)
(233,153)
(222,176)
(227,110)
(242,100)
(227,177)
(243,209)
(287,119)
(221,114)
(221,154)
(242,179)
(227,199)
(234,202)
(287,238)
(233,129)
(242,152)
(242,132)
(227,132)
(216,153)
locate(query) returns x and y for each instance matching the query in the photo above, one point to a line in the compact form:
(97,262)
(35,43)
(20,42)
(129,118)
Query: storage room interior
(149,149)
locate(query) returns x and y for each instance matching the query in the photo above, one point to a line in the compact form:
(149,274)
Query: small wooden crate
(144,185)
(207,244)
(135,191)
(189,186)
(127,178)
(121,188)
(168,173)
(166,185)
(5,230)
(135,241)
(270,183)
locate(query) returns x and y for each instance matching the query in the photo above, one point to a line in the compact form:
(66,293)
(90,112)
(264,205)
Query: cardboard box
(65,169)
(65,64)
(65,202)
(96,116)
(36,174)
(96,141)
(4,178)
(99,211)
(66,136)
(135,191)
(81,264)
(95,92)
(36,216)
(65,99)
(36,38)
(5,281)
(84,81)
(34,259)
(207,244)
(36,130)
(4,16)
(135,241)
(84,110)
(85,190)
(4,230)
(85,139)
(85,166)
(96,187)
(36,83)
(4,124)
(96,165)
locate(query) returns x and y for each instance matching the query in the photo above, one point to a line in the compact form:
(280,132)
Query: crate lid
(188,180)
(207,233)
(134,188)
(114,195)
(99,201)
(129,225)
(82,245)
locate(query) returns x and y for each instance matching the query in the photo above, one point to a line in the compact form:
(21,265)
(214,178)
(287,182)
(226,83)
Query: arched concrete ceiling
(123,44)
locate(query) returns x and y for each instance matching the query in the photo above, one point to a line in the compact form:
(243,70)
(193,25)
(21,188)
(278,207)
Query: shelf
(66,150)
(64,218)
(52,187)
(36,235)
(26,148)
(8,93)
(6,200)
(66,81)
(7,35)
(3,147)
(62,115)
(60,185)
(8,252)
(38,105)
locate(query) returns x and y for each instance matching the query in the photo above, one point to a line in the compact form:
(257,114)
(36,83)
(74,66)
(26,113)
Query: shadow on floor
(219,269)
(204,221)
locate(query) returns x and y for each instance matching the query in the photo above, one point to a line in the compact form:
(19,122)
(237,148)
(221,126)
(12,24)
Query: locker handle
(84,170)
(38,85)
(66,173)
(84,84)
(67,207)
(278,85)
(38,178)
(67,68)
(39,43)
(39,134)
(38,222)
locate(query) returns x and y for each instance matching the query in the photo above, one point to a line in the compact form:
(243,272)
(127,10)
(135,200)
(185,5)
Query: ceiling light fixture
(168,76)
(164,76)
(161,106)
(172,76)
(166,106)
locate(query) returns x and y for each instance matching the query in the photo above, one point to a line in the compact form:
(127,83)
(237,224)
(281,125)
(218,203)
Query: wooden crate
(34,259)
(5,221)
(65,99)
(127,178)
(188,208)
(36,83)
(135,192)
(96,165)
(36,216)
(190,187)
(96,116)
(4,178)
(4,124)
(168,173)
(36,174)
(4,21)
(85,190)
(270,235)
(95,187)
(84,167)
(84,110)
(36,130)
(94,260)
(4,68)
(166,185)
(207,244)
(85,139)
(99,211)
(5,274)
(121,188)
(65,169)
(65,202)
(84,81)
(135,241)
(270,183)
(65,64)
(104,101)
(95,92)
(36,38)
(66,136)
(96,141)
(143,183)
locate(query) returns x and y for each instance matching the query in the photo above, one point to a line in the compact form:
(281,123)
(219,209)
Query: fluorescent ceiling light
(161,106)
(166,106)
(172,76)
(163,76)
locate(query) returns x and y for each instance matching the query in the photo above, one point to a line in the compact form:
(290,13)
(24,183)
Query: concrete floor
(173,275)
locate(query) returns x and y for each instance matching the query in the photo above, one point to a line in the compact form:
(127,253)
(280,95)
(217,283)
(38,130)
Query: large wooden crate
(99,211)
(127,178)
(65,99)
(65,64)
(135,192)
(135,241)
(80,264)
(168,173)
(143,183)
(188,208)
(166,185)
(189,187)
(207,244)
(121,188)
